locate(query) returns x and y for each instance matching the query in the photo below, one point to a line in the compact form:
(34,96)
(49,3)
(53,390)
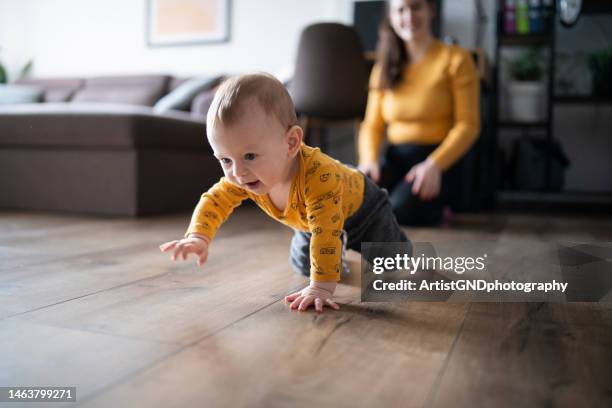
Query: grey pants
(373,222)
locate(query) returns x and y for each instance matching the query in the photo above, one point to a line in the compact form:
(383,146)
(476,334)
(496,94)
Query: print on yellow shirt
(324,193)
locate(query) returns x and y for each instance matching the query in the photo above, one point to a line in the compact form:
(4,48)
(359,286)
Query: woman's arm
(372,129)
(466,106)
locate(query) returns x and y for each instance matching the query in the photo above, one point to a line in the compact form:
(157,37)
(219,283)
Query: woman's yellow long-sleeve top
(436,102)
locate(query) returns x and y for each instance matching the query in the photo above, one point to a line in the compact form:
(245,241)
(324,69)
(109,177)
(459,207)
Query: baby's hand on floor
(318,294)
(193,244)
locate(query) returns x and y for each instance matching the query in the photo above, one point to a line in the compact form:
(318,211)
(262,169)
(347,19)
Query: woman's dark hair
(391,53)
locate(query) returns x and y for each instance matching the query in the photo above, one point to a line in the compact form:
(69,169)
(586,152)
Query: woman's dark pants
(408,208)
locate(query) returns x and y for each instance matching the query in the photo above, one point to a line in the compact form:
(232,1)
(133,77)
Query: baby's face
(253,152)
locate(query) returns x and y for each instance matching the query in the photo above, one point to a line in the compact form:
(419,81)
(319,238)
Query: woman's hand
(426,178)
(371,170)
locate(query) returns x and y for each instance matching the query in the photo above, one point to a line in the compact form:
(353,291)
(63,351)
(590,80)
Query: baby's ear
(294,138)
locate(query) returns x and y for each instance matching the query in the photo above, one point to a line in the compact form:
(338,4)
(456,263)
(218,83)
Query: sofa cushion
(55,89)
(99,126)
(175,82)
(182,97)
(12,94)
(201,104)
(134,90)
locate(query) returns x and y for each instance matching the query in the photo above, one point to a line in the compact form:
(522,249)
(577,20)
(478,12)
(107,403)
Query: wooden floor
(92,303)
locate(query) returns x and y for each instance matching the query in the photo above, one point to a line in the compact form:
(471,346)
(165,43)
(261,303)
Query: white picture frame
(187,22)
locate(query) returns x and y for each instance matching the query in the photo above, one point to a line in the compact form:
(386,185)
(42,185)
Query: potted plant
(11,93)
(24,73)
(527,90)
(3,74)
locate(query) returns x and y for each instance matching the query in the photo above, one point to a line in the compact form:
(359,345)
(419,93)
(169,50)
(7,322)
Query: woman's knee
(409,209)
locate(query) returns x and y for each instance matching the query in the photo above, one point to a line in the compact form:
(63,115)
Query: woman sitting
(425,94)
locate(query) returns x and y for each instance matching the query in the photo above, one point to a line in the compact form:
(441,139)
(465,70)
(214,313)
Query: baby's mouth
(252,184)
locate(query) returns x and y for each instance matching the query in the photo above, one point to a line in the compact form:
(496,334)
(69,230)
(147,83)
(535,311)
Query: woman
(426,94)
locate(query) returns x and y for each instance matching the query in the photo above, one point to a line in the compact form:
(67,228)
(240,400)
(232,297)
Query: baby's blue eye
(249,156)
(225,160)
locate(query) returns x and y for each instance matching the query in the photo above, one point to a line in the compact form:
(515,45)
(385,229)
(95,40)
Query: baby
(253,131)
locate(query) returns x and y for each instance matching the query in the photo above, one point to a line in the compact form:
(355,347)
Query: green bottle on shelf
(3,75)
(522,17)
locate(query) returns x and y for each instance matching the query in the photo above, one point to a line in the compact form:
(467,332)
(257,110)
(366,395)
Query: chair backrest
(331,74)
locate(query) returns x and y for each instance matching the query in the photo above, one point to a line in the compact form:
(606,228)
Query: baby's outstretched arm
(194,244)
(318,294)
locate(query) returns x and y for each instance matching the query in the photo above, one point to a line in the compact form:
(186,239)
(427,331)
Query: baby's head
(253,131)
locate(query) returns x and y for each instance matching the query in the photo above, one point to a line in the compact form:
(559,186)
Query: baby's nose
(240,171)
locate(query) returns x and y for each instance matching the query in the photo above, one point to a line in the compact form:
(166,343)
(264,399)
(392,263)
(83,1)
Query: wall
(87,37)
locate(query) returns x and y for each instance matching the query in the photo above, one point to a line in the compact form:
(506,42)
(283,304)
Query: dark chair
(330,80)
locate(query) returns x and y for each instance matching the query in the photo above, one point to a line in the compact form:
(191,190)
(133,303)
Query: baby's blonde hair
(229,101)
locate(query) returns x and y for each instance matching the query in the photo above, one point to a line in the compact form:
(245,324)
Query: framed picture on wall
(185,22)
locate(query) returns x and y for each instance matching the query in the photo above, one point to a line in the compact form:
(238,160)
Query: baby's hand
(194,244)
(319,293)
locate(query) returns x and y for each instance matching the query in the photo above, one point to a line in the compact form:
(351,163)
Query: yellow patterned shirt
(323,194)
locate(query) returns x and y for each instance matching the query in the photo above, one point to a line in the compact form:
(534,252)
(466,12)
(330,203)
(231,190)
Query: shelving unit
(547,40)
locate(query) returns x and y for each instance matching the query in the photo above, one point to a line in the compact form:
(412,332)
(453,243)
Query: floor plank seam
(119,336)
(175,352)
(342,321)
(51,232)
(86,295)
(119,250)
(434,388)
